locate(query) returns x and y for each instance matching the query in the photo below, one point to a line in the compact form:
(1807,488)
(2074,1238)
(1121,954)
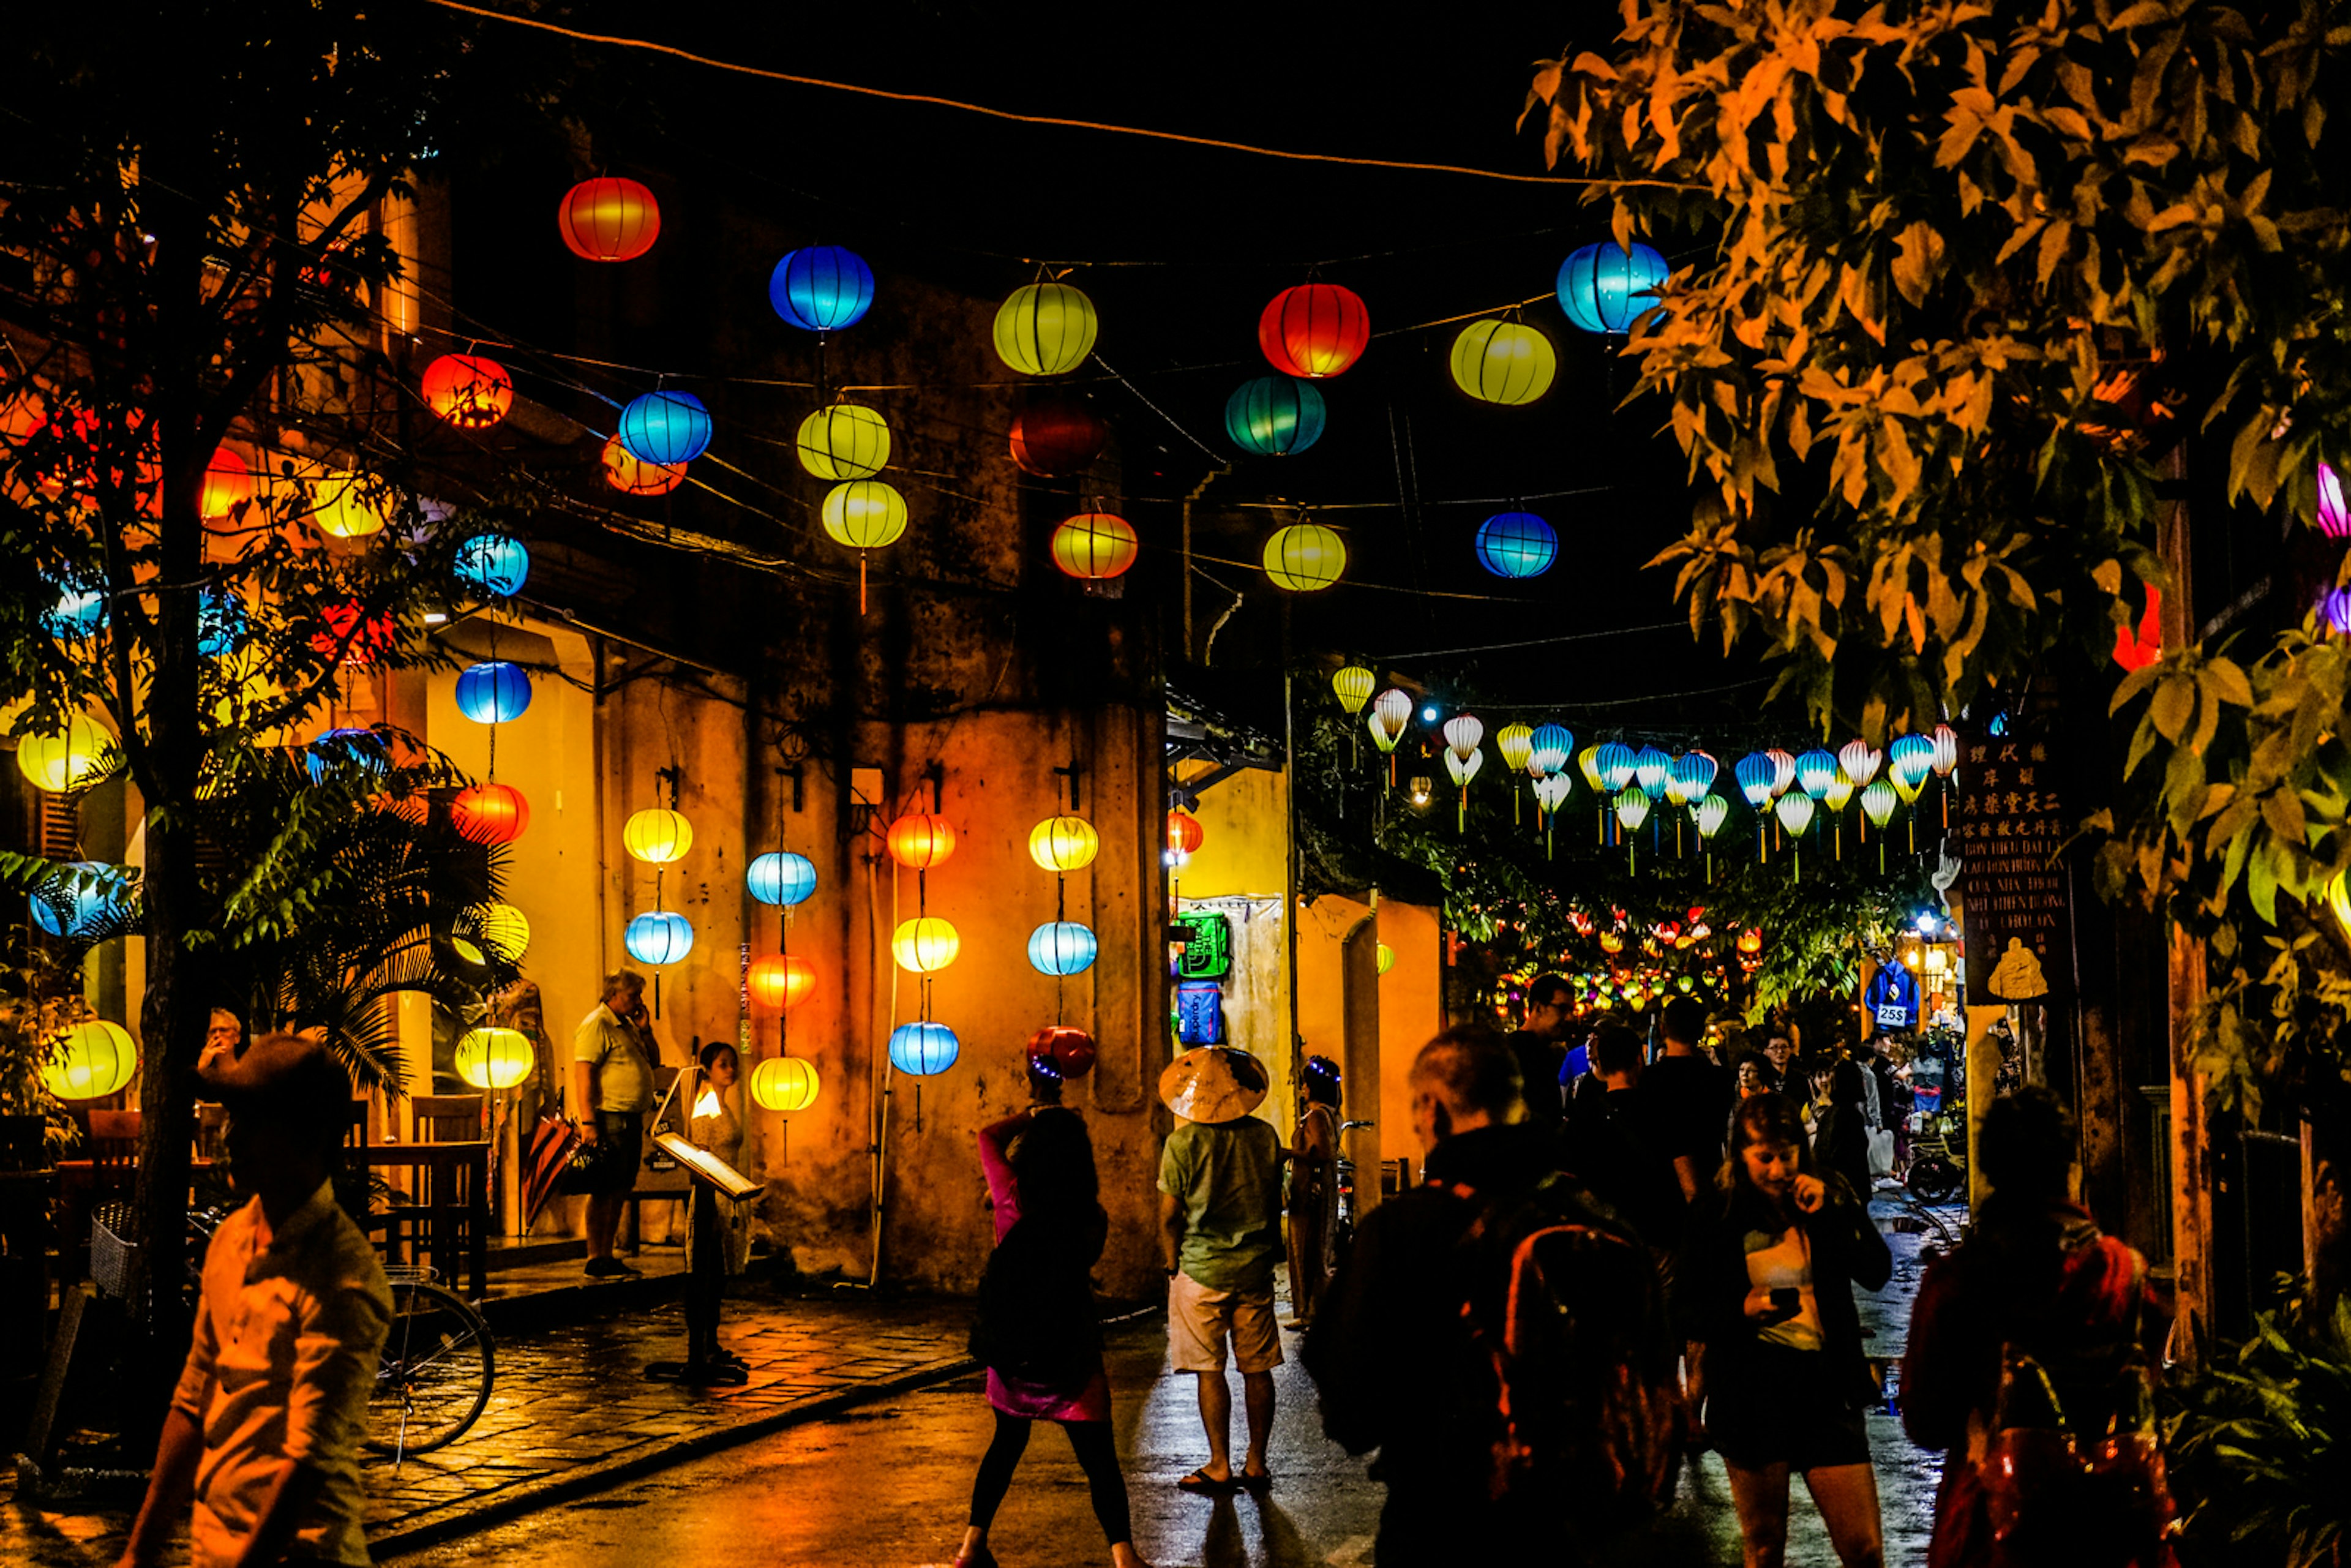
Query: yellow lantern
(925,944)
(342,507)
(92,1060)
(2338,901)
(1501,362)
(865,514)
(657,836)
(1354,685)
(1063,843)
(1045,328)
(847,441)
(786,1083)
(1304,557)
(1386,957)
(79,754)
(494,1059)
(502,928)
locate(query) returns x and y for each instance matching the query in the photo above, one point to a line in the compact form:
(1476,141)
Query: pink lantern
(2334,514)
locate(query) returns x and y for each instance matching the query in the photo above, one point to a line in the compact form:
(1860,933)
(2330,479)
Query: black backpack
(1036,1320)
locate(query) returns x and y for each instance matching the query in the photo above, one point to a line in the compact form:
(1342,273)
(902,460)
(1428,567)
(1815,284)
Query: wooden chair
(445,1224)
(114,1152)
(444,1118)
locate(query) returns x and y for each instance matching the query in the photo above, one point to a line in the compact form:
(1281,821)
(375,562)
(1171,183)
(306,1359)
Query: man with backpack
(1498,1338)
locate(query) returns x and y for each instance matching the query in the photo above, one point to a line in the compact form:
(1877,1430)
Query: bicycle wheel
(436,1371)
(1934,1179)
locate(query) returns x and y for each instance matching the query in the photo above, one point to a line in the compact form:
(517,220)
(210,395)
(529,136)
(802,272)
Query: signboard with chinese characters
(2011,821)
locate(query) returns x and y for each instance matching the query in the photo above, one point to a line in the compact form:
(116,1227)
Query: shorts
(1778,1405)
(623,1135)
(1199,1320)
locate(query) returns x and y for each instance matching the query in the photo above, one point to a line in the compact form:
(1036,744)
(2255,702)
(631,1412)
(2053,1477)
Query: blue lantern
(1693,773)
(1274,416)
(495,564)
(1550,744)
(333,749)
(1651,768)
(1061,947)
(79,613)
(821,288)
(1815,770)
(1756,776)
(781,877)
(492,693)
(923,1048)
(220,624)
(1517,544)
(83,905)
(1605,289)
(658,936)
(664,428)
(1616,763)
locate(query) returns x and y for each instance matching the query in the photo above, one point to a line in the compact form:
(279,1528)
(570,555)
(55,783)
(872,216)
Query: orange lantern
(2138,652)
(611,219)
(360,642)
(631,475)
(469,391)
(1185,834)
(490,813)
(1750,940)
(920,840)
(228,486)
(781,980)
(1094,546)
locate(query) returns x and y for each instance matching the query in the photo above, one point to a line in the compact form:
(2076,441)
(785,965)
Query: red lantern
(1057,433)
(1185,834)
(359,643)
(781,980)
(228,488)
(1063,1051)
(469,391)
(919,840)
(611,219)
(489,814)
(2138,653)
(633,476)
(1315,329)
(1094,546)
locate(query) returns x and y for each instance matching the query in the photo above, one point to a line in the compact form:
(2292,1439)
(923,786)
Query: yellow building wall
(1245,838)
(1412,1012)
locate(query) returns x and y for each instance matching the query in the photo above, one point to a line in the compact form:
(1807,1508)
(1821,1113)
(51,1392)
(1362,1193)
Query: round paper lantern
(489,814)
(1063,843)
(658,936)
(343,632)
(500,927)
(664,428)
(92,1060)
(781,877)
(1304,557)
(1605,289)
(1315,329)
(923,1048)
(1185,834)
(846,441)
(495,693)
(1517,544)
(921,840)
(1516,742)
(1057,431)
(863,514)
(1045,328)
(492,565)
(494,1059)
(70,756)
(608,219)
(625,474)
(342,507)
(1878,802)
(1501,362)
(1910,758)
(784,1084)
(78,613)
(1354,685)
(344,748)
(1754,774)
(821,288)
(1651,768)
(1693,776)
(1061,947)
(2334,512)
(1632,807)
(1384,959)
(781,980)
(657,835)
(925,944)
(1094,546)
(1710,814)
(228,486)
(1617,764)
(1815,770)
(1273,416)
(469,391)
(1064,1051)
(76,906)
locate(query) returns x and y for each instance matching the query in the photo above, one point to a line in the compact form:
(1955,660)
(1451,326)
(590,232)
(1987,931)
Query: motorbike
(1342,1229)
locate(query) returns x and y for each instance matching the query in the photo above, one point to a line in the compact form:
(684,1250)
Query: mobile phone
(1786,1302)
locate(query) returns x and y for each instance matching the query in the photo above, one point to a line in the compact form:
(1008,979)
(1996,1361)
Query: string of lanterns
(920,841)
(782,981)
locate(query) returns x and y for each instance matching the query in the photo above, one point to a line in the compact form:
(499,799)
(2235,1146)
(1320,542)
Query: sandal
(1255,1482)
(1202,1484)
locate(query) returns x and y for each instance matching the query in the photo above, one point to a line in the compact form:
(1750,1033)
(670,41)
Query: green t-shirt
(1226,1176)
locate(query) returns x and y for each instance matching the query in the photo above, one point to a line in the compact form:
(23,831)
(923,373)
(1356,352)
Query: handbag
(2061,1498)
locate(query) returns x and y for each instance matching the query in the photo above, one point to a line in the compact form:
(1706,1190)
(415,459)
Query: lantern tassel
(861,610)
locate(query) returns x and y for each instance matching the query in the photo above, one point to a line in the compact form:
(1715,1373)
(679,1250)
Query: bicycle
(438,1365)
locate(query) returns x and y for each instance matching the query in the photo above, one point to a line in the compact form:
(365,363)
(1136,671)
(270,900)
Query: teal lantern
(1910,758)
(923,1048)
(1604,287)
(492,565)
(1516,545)
(781,877)
(1616,763)
(1061,947)
(1274,416)
(220,624)
(1816,771)
(664,428)
(333,749)
(1755,774)
(1651,770)
(658,936)
(85,899)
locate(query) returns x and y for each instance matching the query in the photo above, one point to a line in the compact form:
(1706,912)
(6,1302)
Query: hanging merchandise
(1274,416)
(492,693)
(923,1048)
(608,219)
(784,1084)
(1517,545)
(1061,947)
(90,1060)
(470,391)
(921,840)
(1063,843)
(73,756)
(781,980)
(494,1059)
(821,288)
(1094,546)
(228,488)
(925,944)
(664,428)
(1315,329)
(1892,997)
(489,814)
(780,877)
(1605,287)
(1304,557)
(492,565)
(1045,328)
(843,441)
(1815,770)
(657,836)
(658,936)
(1504,362)
(1859,759)
(623,472)
(1185,834)
(1056,432)
(864,515)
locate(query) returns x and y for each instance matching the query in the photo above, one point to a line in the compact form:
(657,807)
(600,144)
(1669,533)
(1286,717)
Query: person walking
(1220,1236)
(1689,1097)
(613,1057)
(717,1229)
(263,1433)
(1314,1189)
(1539,1048)
(1611,1145)
(1765,1281)
(1037,1331)
(1840,1115)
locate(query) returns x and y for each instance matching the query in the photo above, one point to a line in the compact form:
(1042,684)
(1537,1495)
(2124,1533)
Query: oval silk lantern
(1516,742)
(608,219)
(1859,759)
(781,877)
(657,835)
(1304,557)
(354,642)
(493,693)
(658,936)
(1910,758)
(781,980)
(1045,328)
(493,564)
(784,1084)
(228,486)
(489,814)
(1273,416)
(494,1059)
(666,428)
(1815,770)
(1605,289)
(1877,803)
(84,897)
(1094,546)
(921,840)
(1057,433)
(1354,685)
(344,748)
(923,1048)
(1185,833)
(1314,330)
(2333,512)
(1517,544)
(1061,947)
(1501,362)
(92,1060)
(469,391)
(1064,843)
(925,944)
(846,441)
(631,476)
(1062,1050)
(863,514)
(821,288)
(71,756)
